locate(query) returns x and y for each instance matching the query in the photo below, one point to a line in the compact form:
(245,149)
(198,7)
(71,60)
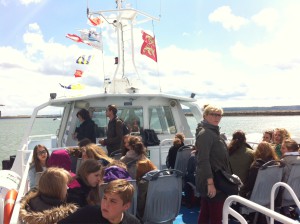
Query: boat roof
(63,100)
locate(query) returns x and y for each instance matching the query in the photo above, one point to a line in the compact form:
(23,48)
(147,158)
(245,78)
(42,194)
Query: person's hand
(211,190)
(101,141)
(74,135)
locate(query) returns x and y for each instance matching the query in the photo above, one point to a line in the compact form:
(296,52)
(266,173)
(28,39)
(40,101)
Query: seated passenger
(125,148)
(93,151)
(290,155)
(178,142)
(84,189)
(114,173)
(263,153)
(241,155)
(47,204)
(116,201)
(268,136)
(38,164)
(60,158)
(278,136)
(133,122)
(135,159)
(189,180)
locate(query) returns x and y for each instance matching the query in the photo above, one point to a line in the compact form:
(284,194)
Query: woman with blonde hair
(263,153)
(84,189)
(93,151)
(38,164)
(47,204)
(212,156)
(279,135)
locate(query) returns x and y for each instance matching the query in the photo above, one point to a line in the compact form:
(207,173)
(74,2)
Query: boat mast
(124,20)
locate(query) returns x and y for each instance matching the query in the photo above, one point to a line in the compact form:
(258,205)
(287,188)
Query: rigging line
(157,67)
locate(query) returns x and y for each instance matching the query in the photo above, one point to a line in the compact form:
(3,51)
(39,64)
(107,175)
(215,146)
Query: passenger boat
(163,113)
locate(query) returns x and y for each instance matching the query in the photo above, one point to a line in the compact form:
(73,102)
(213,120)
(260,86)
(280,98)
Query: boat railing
(23,189)
(227,210)
(290,190)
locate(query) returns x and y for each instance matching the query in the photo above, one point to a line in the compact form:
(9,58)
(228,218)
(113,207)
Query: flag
(74,37)
(148,47)
(78,73)
(94,20)
(91,38)
(82,60)
(73,86)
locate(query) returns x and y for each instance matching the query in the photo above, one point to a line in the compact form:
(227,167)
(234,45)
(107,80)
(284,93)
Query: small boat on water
(160,112)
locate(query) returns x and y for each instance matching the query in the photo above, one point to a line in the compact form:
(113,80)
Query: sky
(226,52)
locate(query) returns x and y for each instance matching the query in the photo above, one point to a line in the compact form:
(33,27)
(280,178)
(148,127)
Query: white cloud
(228,20)
(28,2)
(267,18)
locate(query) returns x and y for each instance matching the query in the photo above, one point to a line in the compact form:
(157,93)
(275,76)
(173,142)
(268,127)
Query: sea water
(12,130)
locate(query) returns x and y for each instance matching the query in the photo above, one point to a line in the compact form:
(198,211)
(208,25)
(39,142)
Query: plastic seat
(117,154)
(182,158)
(133,206)
(269,174)
(294,182)
(163,198)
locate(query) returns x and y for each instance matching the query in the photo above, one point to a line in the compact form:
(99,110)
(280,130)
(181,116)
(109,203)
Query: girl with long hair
(38,164)
(84,189)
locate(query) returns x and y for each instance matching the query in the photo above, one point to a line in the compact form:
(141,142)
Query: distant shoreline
(226,114)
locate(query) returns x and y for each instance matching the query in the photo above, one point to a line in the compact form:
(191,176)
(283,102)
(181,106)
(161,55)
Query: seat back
(133,206)
(269,174)
(294,182)
(182,158)
(163,196)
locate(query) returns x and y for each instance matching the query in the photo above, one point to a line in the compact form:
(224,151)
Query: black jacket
(87,129)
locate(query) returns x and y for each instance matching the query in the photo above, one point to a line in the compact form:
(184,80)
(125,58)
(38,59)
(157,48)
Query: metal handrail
(227,210)
(290,190)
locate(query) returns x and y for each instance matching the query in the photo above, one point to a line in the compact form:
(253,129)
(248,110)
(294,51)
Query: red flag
(148,48)
(78,73)
(95,21)
(74,37)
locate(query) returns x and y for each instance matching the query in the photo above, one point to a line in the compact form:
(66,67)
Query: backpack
(125,128)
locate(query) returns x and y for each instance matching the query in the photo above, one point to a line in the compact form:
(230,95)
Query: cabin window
(133,118)
(162,120)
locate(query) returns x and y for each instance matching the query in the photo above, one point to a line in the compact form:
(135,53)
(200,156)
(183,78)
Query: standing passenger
(87,128)
(114,131)
(212,156)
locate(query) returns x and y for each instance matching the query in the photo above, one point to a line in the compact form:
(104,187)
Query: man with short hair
(116,200)
(114,131)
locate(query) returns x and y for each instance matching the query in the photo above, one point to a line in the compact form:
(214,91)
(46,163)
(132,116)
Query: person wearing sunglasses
(38,164)
(212,156)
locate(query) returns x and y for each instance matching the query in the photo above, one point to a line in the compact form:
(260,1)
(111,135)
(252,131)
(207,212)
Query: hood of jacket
(205,124)
(48,216)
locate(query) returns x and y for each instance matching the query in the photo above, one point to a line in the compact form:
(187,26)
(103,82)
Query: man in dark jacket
(114,130)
